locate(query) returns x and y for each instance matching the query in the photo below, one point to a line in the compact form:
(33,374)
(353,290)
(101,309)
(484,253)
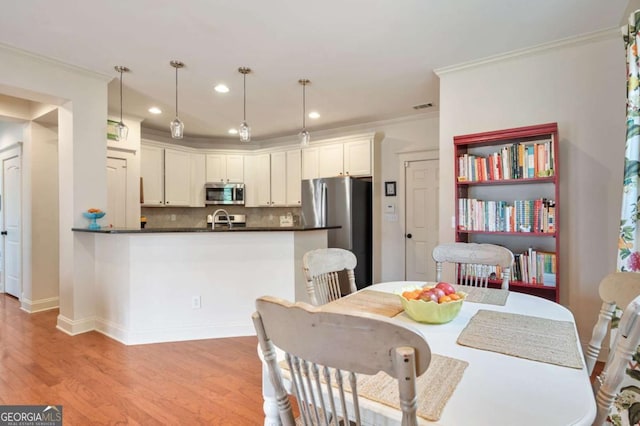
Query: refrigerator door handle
(323,204)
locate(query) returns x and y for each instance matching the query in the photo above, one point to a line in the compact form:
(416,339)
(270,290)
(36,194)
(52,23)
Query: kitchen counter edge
(208,229)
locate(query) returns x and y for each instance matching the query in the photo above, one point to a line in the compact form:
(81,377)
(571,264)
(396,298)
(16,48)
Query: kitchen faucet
(215,214)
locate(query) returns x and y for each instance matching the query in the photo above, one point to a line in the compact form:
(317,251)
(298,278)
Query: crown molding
(55,62)
(558,44)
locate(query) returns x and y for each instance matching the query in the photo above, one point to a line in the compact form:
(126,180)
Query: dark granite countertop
(208,229)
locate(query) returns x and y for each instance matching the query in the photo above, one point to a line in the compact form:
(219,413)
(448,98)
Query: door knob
(409,235)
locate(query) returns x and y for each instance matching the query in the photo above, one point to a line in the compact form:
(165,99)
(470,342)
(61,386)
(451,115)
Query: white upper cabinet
(198,179)
(273,180)
(152,174)
(350,158)
(262,176)
(279,179)
(357,158)
(330,160)
(225,168)
(171,177)
(310,163)
(294,181)
(177,182)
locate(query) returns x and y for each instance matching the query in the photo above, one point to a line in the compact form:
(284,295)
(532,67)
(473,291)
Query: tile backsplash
(196,217)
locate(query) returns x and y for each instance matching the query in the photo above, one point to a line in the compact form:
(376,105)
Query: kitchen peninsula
(161,285)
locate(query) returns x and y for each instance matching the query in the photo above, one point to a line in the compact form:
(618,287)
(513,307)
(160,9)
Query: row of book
(532,266)
(535,267)
(516,161)
(499,216)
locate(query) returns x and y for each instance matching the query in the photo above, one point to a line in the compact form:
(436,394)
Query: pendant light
(245,130)
(304,137)
(177,126)
(122,131)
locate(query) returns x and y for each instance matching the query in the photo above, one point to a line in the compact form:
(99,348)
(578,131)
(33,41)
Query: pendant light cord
(304,105)
(244,98)
(176,92)
(121,96)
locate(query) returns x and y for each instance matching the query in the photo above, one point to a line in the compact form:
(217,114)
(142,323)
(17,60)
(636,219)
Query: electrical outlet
(173,218)
(196,302)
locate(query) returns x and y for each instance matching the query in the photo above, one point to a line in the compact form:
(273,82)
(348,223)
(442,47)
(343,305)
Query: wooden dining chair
(322,270)
(616,289)
(628,338)
(474,263)
(320,344)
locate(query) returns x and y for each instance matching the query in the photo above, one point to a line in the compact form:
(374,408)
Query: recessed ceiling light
(314,114)
(221,88)
(233,131)
(155,110)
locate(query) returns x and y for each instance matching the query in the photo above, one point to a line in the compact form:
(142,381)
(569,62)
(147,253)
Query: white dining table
(495,389)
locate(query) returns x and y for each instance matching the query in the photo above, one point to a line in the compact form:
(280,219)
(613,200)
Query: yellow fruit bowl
(431,312)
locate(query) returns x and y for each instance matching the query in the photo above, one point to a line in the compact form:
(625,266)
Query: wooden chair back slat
(321,268)
(607,384)
(474,262)
(616,289)
(310,339)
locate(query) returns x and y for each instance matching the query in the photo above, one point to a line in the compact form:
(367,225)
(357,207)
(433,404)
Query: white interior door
(11,229)
(116,192)
(421,207)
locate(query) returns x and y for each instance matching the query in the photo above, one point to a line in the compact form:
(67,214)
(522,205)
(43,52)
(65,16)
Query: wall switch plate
(391,217)
(196,302)
(453,222)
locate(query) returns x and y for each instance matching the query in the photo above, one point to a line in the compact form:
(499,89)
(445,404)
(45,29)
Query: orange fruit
(445,299)
(455,296)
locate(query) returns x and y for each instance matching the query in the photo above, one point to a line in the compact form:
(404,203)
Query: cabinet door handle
(409,236)
(166,202)
(347,173)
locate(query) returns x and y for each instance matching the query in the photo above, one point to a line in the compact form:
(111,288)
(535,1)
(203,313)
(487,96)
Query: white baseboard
(164,335)
(73,327)
(112,330)
(39,305)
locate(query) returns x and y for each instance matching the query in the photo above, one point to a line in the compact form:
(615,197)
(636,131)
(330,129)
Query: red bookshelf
(507,193)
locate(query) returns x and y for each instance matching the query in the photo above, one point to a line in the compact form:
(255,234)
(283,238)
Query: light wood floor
(100,381)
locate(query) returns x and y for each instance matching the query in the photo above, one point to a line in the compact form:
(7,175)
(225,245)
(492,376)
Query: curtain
(629,241)
(626,405)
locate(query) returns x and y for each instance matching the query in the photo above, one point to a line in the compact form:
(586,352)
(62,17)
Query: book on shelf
(535,267)
(516,161)
(499,216)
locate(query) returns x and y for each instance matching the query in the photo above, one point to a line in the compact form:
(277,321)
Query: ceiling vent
(423,106)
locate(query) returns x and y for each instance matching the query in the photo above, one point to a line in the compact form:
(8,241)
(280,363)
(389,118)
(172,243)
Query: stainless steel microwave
(224,193)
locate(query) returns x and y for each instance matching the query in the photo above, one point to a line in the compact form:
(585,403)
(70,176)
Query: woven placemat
(433,388)
(488,296)
(371,301)
(523,336)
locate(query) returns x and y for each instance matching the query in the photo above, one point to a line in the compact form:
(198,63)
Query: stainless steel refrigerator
(346,202)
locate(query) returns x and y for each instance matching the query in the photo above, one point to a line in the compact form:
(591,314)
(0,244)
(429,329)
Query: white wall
(10,133)
(42,245)
(579,85)
(82,114)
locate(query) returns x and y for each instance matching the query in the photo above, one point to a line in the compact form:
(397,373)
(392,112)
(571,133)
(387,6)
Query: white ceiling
(366,59)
